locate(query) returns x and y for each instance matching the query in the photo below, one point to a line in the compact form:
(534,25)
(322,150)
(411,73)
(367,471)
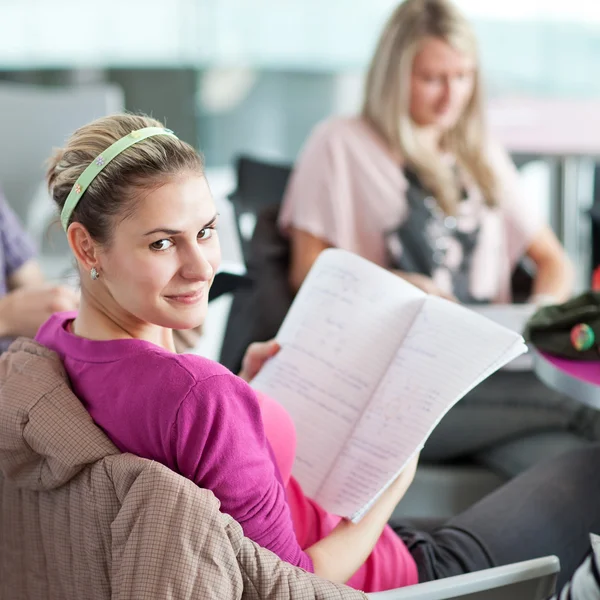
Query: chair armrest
(225,283)
(543,570)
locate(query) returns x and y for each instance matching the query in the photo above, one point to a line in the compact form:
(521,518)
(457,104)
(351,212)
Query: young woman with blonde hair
(415,184)
(141,223)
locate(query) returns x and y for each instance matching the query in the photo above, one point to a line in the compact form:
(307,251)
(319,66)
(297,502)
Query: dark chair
(258,308)
(260,187)
(227,283)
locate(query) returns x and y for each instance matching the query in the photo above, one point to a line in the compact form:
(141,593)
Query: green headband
(92,170)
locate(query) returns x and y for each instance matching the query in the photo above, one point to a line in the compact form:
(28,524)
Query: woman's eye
(161,245)
(206,233)
(430,79)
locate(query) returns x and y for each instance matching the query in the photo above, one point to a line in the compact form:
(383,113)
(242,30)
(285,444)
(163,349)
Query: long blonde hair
(387,100)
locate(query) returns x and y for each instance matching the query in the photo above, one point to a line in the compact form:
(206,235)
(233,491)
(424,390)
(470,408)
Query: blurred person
(26,299)
(416,184)
(142,224)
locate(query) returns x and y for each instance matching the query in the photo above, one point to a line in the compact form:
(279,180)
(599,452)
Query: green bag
(549,329)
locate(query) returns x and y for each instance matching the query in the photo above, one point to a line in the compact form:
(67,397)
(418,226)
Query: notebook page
(515,317)
(337,340)
(446,352)
(515,352)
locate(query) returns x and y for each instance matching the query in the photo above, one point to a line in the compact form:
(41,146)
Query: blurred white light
(221,90)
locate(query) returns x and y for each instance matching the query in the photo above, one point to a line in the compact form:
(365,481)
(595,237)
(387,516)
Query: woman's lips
(187,297)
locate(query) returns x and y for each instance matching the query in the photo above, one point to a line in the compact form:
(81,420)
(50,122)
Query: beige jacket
(80,520)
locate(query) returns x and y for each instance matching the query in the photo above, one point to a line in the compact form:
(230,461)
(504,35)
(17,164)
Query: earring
(94,273)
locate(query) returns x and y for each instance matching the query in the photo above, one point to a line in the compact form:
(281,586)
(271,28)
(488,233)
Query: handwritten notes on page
(446,352)
(369,365)
(337,341)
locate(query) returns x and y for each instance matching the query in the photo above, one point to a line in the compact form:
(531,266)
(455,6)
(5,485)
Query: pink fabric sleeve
(318,199)
(522,220)
(219,443)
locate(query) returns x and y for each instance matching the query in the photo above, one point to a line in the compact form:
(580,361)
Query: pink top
(348,190)
(389,566)
(196,417)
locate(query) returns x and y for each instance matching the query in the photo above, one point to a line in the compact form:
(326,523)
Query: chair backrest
(257,311)
(260,185)
(528,580)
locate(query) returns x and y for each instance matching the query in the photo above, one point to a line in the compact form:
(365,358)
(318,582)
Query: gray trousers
(549,509)
(510,422)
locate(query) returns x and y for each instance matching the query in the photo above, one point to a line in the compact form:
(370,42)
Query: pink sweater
(188,413)
(194,416)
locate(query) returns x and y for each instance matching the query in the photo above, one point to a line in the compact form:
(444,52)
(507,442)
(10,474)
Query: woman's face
(162,259)
(441,86)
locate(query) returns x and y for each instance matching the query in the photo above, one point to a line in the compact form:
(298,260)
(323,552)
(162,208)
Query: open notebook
(368,366)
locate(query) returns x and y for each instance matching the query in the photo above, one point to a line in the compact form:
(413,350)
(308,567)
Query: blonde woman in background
(416,185)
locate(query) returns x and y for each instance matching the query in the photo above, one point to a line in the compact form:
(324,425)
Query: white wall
(316,34)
